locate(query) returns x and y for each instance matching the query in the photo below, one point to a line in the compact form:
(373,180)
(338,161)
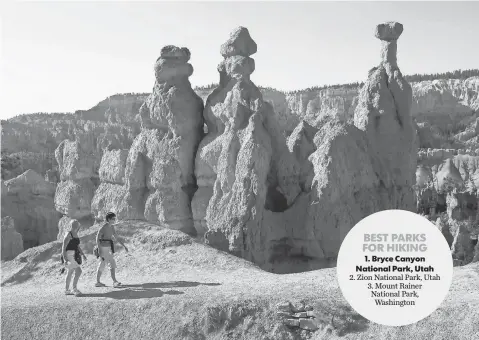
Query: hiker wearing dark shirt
(104,241)
(72,254)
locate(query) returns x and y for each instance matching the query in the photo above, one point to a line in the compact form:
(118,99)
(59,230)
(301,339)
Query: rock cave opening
(190,190)
(440,208)
(275,200)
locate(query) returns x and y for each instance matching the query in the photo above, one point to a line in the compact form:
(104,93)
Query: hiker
(105,249)
(72,254)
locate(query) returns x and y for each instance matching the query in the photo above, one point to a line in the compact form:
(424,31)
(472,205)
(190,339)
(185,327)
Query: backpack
(77,256)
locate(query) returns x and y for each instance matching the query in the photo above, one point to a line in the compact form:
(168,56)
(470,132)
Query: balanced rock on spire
(240,43)
(384,113)
(243,166)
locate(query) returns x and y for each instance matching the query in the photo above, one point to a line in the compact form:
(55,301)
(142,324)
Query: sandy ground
(177,288)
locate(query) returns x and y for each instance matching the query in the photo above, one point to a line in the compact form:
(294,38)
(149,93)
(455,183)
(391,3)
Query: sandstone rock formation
(444,102)
(383,112)
(3,193)
(75,190)
(12,242)
(462,246)
(423,176)
(434,156)
(119,108)
(445,230)
(311,105)
(154,179)
(113,194)
(441,104)
(17,163)
(432,104)
(28,199)
(243,167)
(229,108)
(258,194)
(448,176)
(51,176)
(476,251)
(288,208)
(432,101)
(461,205)
(450,170)
(172,126)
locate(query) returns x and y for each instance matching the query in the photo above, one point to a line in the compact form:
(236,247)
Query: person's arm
(117,238)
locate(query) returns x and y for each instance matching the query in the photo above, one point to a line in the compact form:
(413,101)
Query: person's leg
(109,258)
(112,265)
(112,273)
(78,272)
(99,271)
(68,279)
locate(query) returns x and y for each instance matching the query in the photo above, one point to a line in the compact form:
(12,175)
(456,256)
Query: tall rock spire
(384,113)
(158,180)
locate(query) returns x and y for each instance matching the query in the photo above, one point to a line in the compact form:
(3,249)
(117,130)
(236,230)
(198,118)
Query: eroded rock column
(161,159)
(222,116)
(383,112)
(75,190)
(243,166)
(113,194)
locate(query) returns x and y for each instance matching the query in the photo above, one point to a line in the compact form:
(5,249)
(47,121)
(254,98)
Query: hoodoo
(384,113)
(158,181)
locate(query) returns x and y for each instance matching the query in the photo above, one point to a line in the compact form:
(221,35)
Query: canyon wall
(443,103)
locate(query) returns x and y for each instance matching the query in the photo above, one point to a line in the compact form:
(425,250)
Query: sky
(68,56)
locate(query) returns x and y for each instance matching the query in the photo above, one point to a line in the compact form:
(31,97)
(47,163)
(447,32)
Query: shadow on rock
(170,284)
(126,294)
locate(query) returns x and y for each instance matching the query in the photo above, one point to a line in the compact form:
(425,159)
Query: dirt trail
(176,288)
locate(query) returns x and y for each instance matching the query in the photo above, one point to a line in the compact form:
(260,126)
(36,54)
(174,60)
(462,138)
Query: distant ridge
(457,74)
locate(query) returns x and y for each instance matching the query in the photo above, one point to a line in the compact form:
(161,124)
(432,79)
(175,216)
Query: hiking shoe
(68,292)
(76,292)
(116,284)
(99,284)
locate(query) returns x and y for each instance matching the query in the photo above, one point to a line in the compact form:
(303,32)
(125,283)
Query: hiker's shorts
(105,253)
(72,264)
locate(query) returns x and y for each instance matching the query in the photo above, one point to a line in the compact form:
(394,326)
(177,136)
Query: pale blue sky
(65,56)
